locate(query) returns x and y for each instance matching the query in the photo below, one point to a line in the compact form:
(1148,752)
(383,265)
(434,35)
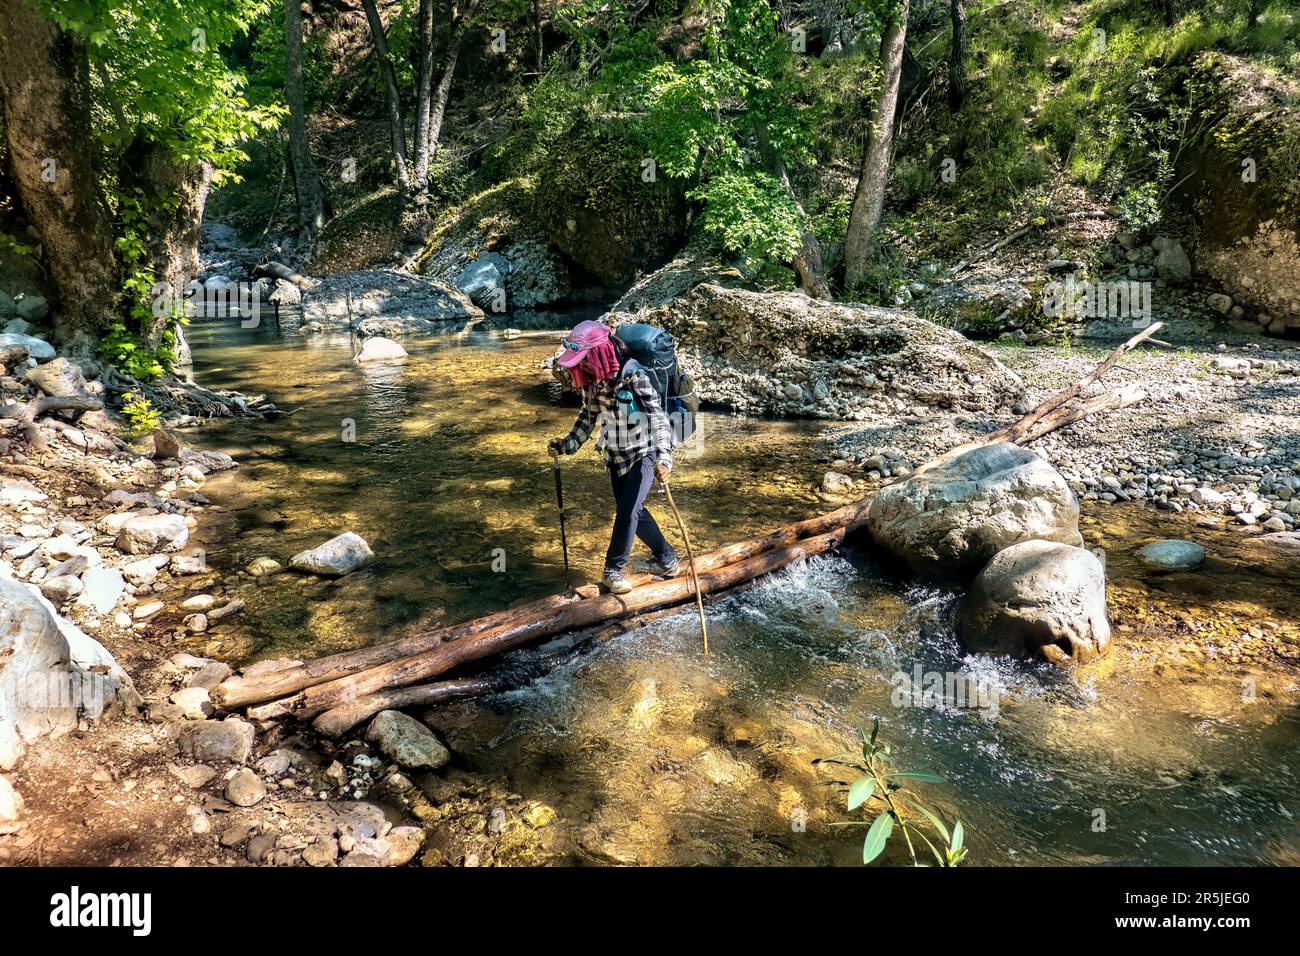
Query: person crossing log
(343,689)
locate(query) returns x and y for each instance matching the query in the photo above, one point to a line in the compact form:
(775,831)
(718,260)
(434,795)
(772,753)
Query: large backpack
(652,350)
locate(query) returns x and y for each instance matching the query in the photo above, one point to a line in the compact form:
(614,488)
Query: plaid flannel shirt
(625,434)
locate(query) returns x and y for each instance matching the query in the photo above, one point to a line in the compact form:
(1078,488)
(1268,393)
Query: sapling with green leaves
(883,796)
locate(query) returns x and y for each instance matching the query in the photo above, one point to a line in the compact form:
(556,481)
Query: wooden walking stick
(690,556)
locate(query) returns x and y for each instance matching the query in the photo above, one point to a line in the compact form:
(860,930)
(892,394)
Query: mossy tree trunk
(45,88)
(177,193)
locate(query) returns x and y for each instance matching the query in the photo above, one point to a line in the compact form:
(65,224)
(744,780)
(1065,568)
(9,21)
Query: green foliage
(17,246)
(141,414)
(160,77)
(751,212)
(884,796)
(1139,208)
(127,342)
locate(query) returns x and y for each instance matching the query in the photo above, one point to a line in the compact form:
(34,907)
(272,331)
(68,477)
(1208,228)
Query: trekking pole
(690,556)
(559,500)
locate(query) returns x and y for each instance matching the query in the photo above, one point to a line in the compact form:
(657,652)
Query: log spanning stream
(648,754)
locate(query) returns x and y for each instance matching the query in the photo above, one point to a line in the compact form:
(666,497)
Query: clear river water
(1164,753)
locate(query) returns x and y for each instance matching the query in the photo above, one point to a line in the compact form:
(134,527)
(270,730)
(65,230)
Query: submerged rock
(1172,555)
(406,741)
(340,555)
(948,521)
(1038,599)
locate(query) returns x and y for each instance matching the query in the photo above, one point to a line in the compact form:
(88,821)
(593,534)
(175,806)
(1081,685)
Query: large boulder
(598,210)
(1038,599)
(337,556)
(1238,178)
(483,278)
(782,353)
(384,302)
(39,349)
(948,520)
(51,673)
(983,307)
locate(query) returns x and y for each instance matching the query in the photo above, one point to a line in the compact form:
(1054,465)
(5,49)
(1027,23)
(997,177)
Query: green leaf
(958,836)
(934,819)
(875,729)
(860,792)
(917,775)
(877,836)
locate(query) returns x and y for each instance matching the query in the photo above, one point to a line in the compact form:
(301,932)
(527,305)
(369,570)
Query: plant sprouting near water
(882,794)
(140,412)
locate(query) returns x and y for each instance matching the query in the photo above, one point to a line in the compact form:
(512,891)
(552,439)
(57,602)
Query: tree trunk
(860,245)
(45,88)
(306,180)
(242,691)
(808,260)
(173,229)
(537,40)
(395,118)
(423,94)
(957,87)
(442,94)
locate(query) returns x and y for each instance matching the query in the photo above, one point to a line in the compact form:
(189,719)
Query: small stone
(321,853)
(264,567)
(193,701)
(406,741)
(245,788)
(198,775)
(405,843)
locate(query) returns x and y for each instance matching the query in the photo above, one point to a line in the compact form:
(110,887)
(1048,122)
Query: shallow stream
(1165,753)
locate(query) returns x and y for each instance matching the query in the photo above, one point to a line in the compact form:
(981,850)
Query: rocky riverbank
(1218,436)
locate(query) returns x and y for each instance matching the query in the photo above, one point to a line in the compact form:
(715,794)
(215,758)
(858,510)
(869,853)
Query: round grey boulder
(947,521)
(1172,555)
(1038,599)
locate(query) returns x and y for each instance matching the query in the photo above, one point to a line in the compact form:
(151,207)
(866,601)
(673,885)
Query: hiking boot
(615,581)
(659,569)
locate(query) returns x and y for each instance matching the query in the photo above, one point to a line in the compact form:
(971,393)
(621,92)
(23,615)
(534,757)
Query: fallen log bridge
(341,691)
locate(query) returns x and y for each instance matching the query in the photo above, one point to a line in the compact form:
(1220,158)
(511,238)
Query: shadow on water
(650,754)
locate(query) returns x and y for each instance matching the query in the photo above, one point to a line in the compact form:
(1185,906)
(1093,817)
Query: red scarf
(603,359)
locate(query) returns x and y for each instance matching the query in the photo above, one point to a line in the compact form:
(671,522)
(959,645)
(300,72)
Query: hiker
(634,436)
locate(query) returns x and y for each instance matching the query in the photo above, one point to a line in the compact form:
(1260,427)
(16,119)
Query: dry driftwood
(27,413)
(278,270)
(343,690)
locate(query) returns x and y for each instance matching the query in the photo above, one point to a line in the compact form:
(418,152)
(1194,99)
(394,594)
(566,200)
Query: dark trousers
(632,519)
